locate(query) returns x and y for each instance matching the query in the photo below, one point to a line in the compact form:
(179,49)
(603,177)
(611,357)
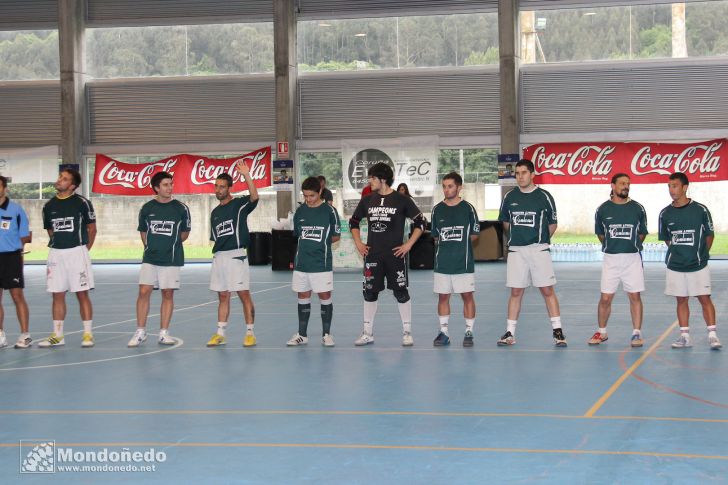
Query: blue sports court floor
(380,414)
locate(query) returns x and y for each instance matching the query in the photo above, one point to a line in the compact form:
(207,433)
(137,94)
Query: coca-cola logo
(585,160)
(131,176)
(693,159)
(206,171)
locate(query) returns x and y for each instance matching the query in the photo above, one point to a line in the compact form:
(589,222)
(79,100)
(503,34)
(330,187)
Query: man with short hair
(386,211)
(621,225)
(455,226)
(164,224)
(687,228)
(317,226)
(14,233)
(528,213)
(71,224)
(230,270)
(326,195)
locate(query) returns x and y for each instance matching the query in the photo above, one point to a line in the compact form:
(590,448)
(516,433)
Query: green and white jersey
(453,226)
(229,224)
(68,219)
(529,215)
(686,228)
(621,225)
(315,227)
(163,223)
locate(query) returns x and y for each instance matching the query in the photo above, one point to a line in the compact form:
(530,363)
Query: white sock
(602,331)
(556,322)
(370,310)
(636,331)
(327,302)
(58,327)
(444,323)
(163,331)
(249,328)
(511,326)
(685,332)
(405,311)
(469,324)
(304,301)
(221,328)
(87,326)
(406,327)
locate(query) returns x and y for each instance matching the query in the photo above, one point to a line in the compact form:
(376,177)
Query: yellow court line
(600,402)
(436,414)
(364,446)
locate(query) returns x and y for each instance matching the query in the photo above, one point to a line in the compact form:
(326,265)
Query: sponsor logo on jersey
(312,233)
(225,228)
(378,226)
(527,219)
(684,238)
(63,224)
(621,231)
(162,228)
(454,233)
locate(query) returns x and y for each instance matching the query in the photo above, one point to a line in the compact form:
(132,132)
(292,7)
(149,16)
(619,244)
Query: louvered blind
(28,14)
(327,9)
(31,113)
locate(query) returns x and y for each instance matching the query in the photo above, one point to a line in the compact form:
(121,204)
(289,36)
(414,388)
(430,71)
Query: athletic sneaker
(327,340)
(166,339)
(87,340)
(714,343)
(249,340)
(468,339)
(682,342)
(52,341)
(407,340)
(297,340)
(23,342)
(140,335)
(507,339)
(216,340)
(364,339)
(559,339)
(441,340)
(636,340)
(597,338)
(3,340)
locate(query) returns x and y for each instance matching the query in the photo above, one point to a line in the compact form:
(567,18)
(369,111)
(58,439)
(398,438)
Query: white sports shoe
(140,335)
(407,340)
(3,340)
(24,341)
(714,343)
(166,339)
(682,342)
(52,341)
(364,339)
(327,340)
(297,340)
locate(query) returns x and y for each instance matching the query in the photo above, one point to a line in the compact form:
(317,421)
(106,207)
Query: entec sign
(192,174)
(588,163)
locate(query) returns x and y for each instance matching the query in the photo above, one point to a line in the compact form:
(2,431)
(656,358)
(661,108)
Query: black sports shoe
(559,339)
(507,339)
(441,340)
(468,340)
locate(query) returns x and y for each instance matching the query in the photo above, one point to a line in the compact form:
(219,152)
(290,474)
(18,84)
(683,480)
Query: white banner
(31,165)
(413,160)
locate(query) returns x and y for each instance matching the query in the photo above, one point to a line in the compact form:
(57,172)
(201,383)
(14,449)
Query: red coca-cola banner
(193,174)
(645,163)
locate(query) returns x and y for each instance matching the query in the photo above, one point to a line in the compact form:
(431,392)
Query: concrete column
(286,78)
(71,33)
(510,60)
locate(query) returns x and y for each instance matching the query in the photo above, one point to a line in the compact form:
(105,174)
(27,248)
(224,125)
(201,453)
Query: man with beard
(230,271)
(621,225)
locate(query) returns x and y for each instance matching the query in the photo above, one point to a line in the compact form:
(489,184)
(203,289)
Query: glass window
(29,55)
(398,42)
(480,165)
(198,50)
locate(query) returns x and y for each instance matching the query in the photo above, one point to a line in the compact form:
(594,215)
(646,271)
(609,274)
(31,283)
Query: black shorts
(11,270)
(377,267)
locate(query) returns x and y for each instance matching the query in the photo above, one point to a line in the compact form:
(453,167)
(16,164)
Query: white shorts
(316,282)
(626,268)
(69,270)
(694,283)
(230,271)
(530,265)
(446,284)
(160,277)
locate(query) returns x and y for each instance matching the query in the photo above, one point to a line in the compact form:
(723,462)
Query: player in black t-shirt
(384,254)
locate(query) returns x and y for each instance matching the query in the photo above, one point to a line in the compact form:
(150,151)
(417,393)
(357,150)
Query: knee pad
(401,295)
(371,295)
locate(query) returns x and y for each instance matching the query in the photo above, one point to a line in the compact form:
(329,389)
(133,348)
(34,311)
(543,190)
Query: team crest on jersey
(683,238)
(162,228)
(454,233)
(522,218)
(312,233)
(621,231)
(225,228)
(63,224)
